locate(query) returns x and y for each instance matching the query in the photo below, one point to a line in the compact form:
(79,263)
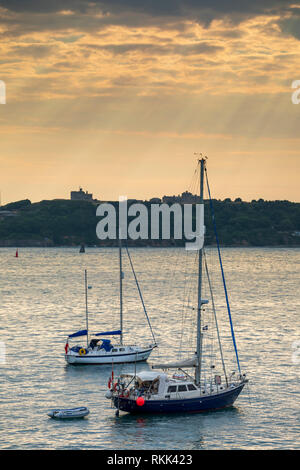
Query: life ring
(82,352)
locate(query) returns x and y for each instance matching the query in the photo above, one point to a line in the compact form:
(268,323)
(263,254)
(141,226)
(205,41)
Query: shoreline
(87,247)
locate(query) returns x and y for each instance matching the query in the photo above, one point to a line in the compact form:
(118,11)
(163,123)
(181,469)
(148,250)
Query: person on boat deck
(139,388)
(142,389)
(93,343)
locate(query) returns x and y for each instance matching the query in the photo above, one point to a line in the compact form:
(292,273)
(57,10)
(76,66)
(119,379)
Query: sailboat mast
(86,309)
(121,290)
(199,333)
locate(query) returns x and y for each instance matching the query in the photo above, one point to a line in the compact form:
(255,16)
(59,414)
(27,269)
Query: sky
(117,96)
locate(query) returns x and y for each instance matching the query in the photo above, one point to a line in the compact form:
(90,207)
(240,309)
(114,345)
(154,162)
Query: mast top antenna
(200,156)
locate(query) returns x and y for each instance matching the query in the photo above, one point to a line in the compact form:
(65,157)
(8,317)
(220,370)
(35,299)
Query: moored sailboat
(157,391)
(102,351)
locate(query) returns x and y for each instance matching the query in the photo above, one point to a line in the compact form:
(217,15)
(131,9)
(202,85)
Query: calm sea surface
(42,301)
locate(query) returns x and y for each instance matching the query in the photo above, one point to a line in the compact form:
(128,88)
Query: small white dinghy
(70,413)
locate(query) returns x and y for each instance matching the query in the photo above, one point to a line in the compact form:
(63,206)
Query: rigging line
(140,293)
(223,275)
(191,187)
(187,303)
(215,315)
(209,336)
(183,310)
(194,289)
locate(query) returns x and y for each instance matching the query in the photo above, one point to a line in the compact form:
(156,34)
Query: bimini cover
(78,333)
(106,345)
(145,376)
(109,333)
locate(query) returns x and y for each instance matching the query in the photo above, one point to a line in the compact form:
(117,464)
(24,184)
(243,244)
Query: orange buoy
(140,401)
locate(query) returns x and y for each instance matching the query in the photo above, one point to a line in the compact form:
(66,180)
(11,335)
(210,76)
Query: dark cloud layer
(291,25)
(207,8)
(34,15)
(194,49)
(204,10)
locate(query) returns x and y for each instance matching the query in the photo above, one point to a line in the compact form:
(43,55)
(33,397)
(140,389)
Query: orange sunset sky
(116,96)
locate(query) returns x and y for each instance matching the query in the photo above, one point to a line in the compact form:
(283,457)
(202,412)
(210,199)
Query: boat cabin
(156,384)
(145,382)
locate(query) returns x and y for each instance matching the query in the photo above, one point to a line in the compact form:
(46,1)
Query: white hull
(102,357)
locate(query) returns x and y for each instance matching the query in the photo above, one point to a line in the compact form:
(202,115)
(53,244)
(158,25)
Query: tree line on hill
(71,223)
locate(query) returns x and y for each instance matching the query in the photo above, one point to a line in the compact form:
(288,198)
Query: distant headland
(72,222)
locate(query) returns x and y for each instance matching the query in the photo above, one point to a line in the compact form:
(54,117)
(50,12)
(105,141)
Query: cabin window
(121,349)
(114,350)
(182,388)
(191,387)
(172,389)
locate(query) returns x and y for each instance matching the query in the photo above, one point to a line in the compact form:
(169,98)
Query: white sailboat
(99,349)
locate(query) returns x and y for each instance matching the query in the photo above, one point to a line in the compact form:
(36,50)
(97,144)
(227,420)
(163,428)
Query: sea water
(43,300)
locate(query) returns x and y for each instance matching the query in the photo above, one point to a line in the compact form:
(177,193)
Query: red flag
(111,378)
(67,347)
(17,254)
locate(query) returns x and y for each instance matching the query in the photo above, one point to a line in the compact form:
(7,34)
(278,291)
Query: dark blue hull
(196,405)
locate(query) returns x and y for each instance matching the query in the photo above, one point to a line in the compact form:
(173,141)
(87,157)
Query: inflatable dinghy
(70,413)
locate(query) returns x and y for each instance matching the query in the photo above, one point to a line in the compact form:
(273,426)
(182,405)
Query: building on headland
(170,199)
(134,201)
(155,200)
(189,198)
(184,198)
(81,195)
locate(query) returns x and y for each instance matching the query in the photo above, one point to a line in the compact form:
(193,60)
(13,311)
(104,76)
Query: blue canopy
(78,333)
(106,345)
(109,333)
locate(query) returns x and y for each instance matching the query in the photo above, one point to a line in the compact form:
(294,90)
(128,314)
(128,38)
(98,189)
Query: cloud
(68,38)
(21,17)
(291,26)
(169,49)
(33,50)
(94,51)
(146,80)
(203,11)
(35,6)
